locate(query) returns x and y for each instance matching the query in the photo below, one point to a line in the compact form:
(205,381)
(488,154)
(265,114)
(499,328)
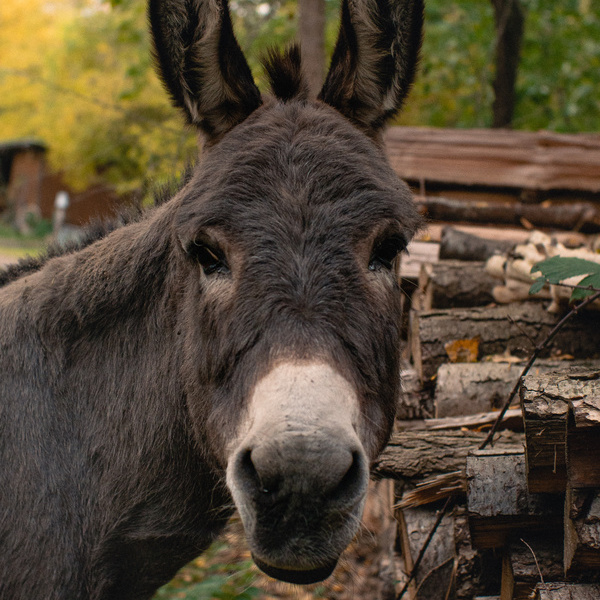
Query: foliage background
(78,74)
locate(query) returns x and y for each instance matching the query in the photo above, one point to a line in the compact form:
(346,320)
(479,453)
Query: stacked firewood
(523,515)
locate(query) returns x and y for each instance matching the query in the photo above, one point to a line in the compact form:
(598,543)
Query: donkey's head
(289,233)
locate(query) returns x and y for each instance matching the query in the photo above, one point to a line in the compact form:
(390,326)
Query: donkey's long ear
(375,60)
(202,64)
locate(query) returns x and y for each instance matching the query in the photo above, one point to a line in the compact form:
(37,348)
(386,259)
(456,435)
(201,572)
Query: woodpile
(518,519)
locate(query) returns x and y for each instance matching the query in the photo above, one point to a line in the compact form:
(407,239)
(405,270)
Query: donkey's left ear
(374,61)
(202,64)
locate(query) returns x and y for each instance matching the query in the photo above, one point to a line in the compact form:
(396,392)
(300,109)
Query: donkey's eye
(211,258)
(385,251)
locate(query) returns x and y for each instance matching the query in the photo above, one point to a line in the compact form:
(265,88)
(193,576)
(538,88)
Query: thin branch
(587,288)
(532,359)
(440,516)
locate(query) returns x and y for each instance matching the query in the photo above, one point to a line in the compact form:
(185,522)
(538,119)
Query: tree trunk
(509,18)
(312,40)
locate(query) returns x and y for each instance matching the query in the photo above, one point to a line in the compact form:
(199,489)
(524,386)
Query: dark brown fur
(125,366)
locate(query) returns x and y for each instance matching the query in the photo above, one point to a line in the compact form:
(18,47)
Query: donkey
(237,345)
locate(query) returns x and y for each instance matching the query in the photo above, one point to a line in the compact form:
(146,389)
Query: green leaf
(589,281)
(559,268)
(537,285)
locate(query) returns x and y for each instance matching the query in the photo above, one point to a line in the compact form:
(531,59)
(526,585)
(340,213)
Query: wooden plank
(582,533)
(513,159)
(499,504)
(516,327)
(566,591)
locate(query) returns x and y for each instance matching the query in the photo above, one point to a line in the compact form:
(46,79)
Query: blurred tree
(510,22)
(312,39)
(78,74)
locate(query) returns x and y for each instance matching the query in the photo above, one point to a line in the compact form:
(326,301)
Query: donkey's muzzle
(299,474)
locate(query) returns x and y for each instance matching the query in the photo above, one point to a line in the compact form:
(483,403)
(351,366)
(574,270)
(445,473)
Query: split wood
(539,348)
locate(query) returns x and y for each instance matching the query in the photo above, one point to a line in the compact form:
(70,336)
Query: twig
(530,362)
(587,288)
(536,562)
(413,572)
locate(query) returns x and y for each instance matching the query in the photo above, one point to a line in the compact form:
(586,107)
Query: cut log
(435,573)
(582,533)
(499,504)
(583,432)
(467,388)
(566,591)
(454,283)
(545,415)
(517,328)
(414,402)
(577,216)
(419,453)
(523,565)
(463,246)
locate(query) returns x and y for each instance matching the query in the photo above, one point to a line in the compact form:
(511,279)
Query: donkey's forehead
(296,162)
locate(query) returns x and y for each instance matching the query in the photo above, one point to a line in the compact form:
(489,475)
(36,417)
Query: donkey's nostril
(254,478)
(352,481)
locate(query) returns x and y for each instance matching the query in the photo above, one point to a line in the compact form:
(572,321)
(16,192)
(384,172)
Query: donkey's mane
(284,70)
(93,231)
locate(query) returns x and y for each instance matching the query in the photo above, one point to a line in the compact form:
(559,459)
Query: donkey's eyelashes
(385,252)
(211,258)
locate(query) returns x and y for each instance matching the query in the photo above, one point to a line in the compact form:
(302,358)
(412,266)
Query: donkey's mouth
(297,576)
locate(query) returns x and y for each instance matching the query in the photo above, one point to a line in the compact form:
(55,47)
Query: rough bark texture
(467,388)
(460,245)
(523,565)
(524,160)
(510,22)
(566,591)
(500,506)
(434,576)
(582,533)
(516,327)
(454,283)
(578,216)
(419,454)
(545,414)
(311,26)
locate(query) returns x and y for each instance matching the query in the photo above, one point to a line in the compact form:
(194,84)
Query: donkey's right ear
(201,63)
(374,61)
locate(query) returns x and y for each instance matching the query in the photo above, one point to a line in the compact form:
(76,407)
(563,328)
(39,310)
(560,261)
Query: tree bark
(517,327)
(510,21)
(311,27)
(582,533)
(453,283)
(499,503)
(523,565)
